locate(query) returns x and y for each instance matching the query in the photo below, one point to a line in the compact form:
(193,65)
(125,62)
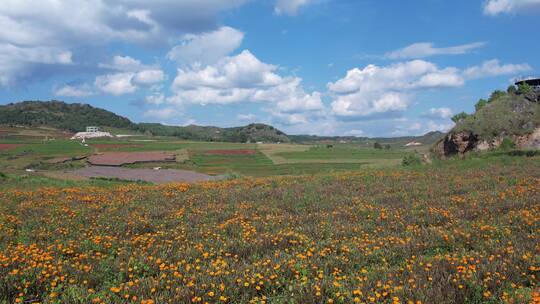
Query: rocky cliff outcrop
(514,117)
(463,142)
(453,144)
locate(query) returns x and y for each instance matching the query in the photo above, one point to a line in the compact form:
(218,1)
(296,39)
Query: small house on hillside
(92,129)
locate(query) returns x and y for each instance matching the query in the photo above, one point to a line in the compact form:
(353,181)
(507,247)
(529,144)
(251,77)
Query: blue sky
(327,67)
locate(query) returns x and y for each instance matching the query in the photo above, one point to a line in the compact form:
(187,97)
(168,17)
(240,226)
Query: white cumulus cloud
(377,90)
(129,74)
(116,84)
(33,33)
(244,78)
(208,47)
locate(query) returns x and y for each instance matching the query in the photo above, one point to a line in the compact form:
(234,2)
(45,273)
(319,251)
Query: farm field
(50,155)
(458,232)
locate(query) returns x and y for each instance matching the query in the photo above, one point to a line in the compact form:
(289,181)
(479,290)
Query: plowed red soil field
(8,146)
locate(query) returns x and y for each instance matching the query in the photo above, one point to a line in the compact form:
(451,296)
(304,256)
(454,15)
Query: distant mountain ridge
(76,117)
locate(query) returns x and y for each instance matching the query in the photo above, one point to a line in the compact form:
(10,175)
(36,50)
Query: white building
(92,129)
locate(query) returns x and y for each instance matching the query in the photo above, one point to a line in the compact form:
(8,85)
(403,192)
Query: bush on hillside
(480,104)
(511,90)
(377,145)
(496,95)
(524,88)
(412,159)
(459,117)
(507,144)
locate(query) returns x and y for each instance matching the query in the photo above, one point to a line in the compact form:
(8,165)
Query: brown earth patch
(149,175)
(124,158)
(9,146)
(231,152)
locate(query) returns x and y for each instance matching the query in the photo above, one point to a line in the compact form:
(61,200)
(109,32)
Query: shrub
(480,104)
(524,88)
(507,144)
(411,160)
(377,145)
(459,117)
(511,90)
(496,95)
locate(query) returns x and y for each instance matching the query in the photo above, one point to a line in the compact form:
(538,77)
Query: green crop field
(270,159)
(343,153)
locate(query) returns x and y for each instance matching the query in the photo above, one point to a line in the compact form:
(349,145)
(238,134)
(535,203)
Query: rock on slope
(511,116)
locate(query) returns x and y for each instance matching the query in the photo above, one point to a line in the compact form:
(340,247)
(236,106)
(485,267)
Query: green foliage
(496,95)
(480,104)
(511,90)
(387,147)
(507,144)
(412,159)
(524,88)
(72,117)
(459,117)
(377,145)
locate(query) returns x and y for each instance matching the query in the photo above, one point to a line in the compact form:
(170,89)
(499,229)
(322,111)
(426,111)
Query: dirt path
(149,175)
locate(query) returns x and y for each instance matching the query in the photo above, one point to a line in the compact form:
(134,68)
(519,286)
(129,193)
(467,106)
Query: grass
(33,153)
(342,154)
(29,182)
(462,231)
(256,165)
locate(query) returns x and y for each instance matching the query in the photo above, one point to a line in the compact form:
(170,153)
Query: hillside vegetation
(512,117)
(250,133)
(76,117)
(71,117)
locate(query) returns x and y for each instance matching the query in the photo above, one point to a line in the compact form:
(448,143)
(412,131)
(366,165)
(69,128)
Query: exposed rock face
(533,96)
(528,141)
(459,143)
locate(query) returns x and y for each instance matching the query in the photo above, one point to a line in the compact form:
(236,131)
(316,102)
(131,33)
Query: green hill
(249,133)
(508,118)
(71,117)
(75,117)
